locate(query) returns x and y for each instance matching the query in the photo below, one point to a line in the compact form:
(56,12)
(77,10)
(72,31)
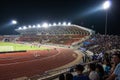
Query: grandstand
(56,33)
(61,40)
(53,30)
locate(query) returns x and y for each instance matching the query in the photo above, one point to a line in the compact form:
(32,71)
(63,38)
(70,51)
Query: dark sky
(78,12)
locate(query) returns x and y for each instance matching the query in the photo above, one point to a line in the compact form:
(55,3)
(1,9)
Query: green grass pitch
(7,46)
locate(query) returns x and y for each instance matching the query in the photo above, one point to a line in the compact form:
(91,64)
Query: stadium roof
(45,28)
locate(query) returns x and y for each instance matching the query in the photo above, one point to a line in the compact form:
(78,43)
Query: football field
(7,46)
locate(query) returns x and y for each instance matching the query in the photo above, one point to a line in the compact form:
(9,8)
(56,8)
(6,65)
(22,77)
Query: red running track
(14,65)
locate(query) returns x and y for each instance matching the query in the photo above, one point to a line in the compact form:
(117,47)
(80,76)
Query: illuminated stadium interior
(59,40)
(45,37)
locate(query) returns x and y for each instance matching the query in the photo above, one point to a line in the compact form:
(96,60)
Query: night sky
(80,12)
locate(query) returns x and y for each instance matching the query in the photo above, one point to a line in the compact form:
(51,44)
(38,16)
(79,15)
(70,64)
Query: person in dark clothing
(69,76)
(80,76)
(61,77)
(100,71)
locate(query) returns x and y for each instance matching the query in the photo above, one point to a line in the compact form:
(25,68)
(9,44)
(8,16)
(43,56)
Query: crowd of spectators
(105,49)
(55,39)
(102,43)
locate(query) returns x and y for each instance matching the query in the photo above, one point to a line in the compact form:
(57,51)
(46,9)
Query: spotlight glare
(29,26)
(64,23)
(19,28)
(14,22)
(59,23)
(38,26)
(54,24)
(106,4)
(24,27)
(69,23)
(50,25)
(33,26)
(45,25)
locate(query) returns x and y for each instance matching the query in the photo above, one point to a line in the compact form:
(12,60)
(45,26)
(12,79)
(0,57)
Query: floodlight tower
(14,22)
(106,6)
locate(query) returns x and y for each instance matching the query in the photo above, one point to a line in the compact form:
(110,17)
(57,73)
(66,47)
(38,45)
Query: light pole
(106,6)
(13,23)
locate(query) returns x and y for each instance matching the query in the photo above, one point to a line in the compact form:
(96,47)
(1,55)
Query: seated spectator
(100,71)
(71,69)
(61,77)
(69,76)
(80,76)
(106,66)
(93,75)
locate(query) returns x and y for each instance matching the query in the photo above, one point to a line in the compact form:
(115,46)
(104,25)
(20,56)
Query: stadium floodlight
(59,23)
(64,24)
(29,26)
(54,24)
(106,6)
(69,23)
(33,26)
(45,25)
(49,24)
(38,26)
(14,22)
(19,28)
(24,27)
